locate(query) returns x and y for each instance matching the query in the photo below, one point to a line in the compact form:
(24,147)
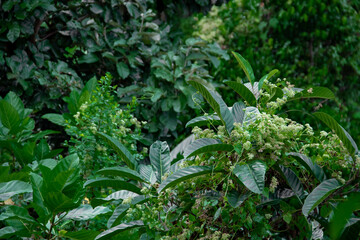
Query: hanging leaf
(243,91)
(333,125)
(55,118)
(321,192)
(314,92)
(236,199)
(252,175)
(180,148)
(206,145)
(313,168)
(292,180)
(123,70)
(148,173)
(238,112)
(184,174)
(86,212)
(121,172)
(118,229)
(246,67)
(267,77)
(160,158)
(120,149)
(122,194)
(113,183)
(204,121)
(216,103)
(9,189)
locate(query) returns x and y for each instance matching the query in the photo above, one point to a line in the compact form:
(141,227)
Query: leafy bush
(245,175)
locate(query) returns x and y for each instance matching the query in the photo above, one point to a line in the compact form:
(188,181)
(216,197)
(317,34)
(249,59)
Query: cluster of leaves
(313,43)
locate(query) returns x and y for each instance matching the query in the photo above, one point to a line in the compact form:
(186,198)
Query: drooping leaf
(16,212)
(246,67)
(206,145)
(113,183)
(333,125)
(184,174)
(121,172)
(15,101)
(236,199)
(123,70)
(38,197)
(9,189)
(252,175)
(8,231)
(238,112)
(204,121)
(55,118)
(312,167)
(118,229)
(81,235)
(8,115)
(122,194)
(86,212)
(180,148)
(148,173)
(342,215)
(216,103)
(120,149)
(322,191)
(243,91)
(314,92)
(292,180)
(160,158)
(267,77)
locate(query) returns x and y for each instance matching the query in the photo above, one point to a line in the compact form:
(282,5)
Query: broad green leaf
(88,58)
(253,89)
(314,92)
(58,202)
(267,77)
(181,147)
(251,114)
(65,173)
(243,91)
(113,183)
(81,235)
(252,175)
(121,172)
(184,174)
(333,125)
(206,145)
(322,191)
(292,180)
(148,173)
(238,112)
(120,211)
(118,229)
(15,101)
(16,212)
(246,67)
(236,199)
(7,232)
(9,189)
(41,150)
(353,143)
(86,212)
(8,115)
(312,167)
(14,32)
(122,194)
(123,70)
(276,93)
(38,197)
(160,158)
(216,103)
(55,118)
(42,134)
(204,121)
(120,149)
(342,214)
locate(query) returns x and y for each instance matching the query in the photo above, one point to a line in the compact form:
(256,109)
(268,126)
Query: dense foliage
(130,120)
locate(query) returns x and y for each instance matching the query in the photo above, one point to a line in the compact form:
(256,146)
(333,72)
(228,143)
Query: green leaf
(14,32)
(118,229)
(88,58)
(252,175)
(121,172)
(313,168)
(243,91)
(8,115)
(120,149)
(267,77)
(55,118)
(81,235)
(322,191)
(292,180)
(38,197)
(216,103)
(7,232)
(148,173)
(236,199)
(184,174)
(123,70)
(9,189)
(314,92)
(333,125)
(238,112)
(342,214)
(15,101)
(58,202)
(206,145)
(204,121)
(160,158)
(16,212)
(113,183)
(122,194)
(86,212)
(246,67)
(251,114)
